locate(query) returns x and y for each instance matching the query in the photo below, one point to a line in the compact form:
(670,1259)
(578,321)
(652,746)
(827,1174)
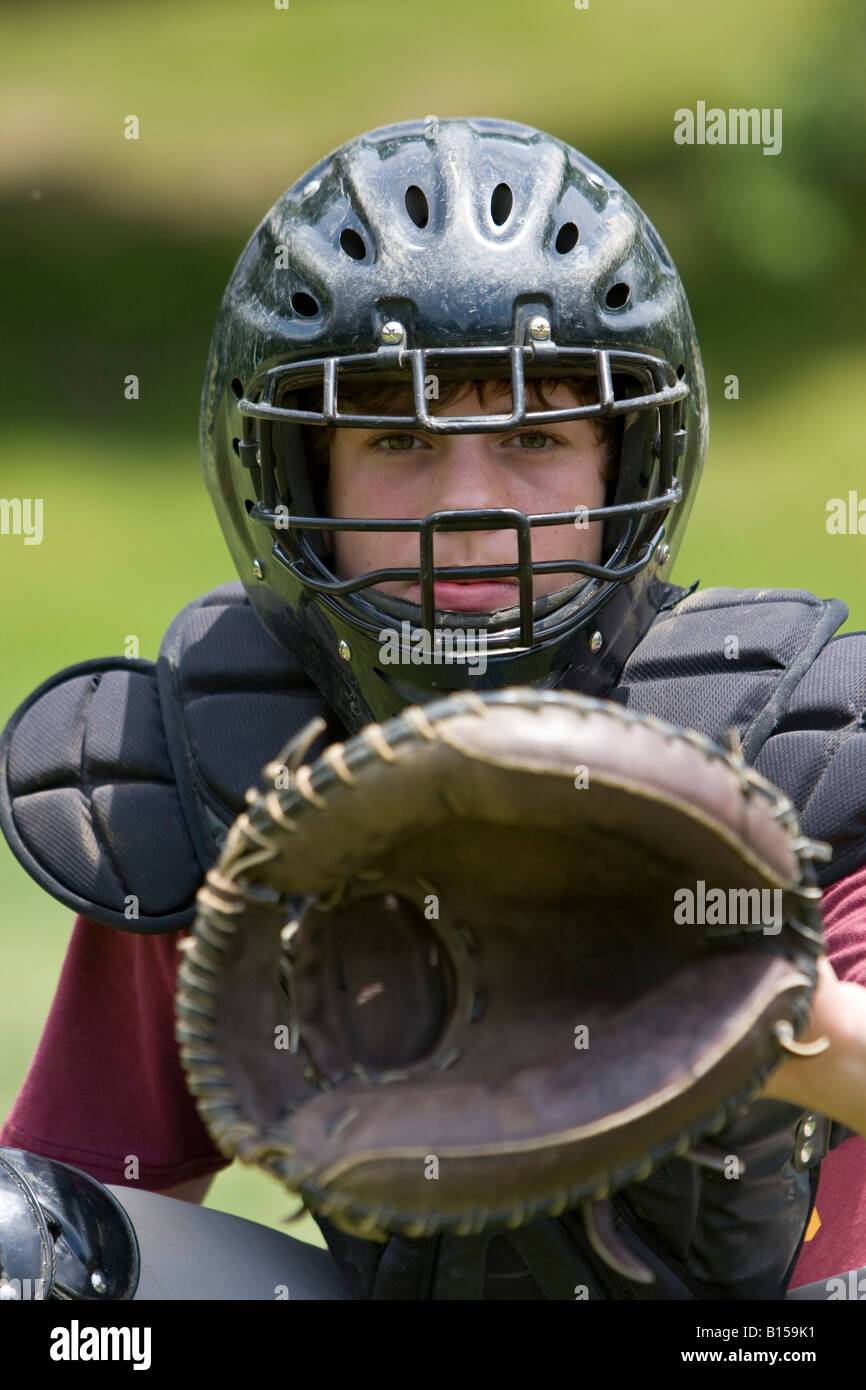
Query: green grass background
(115,255)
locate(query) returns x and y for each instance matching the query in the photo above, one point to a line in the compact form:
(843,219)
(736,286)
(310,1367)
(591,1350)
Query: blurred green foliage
(116,253)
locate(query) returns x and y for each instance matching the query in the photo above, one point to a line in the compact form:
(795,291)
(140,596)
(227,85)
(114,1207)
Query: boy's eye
(531,440)
(395,443)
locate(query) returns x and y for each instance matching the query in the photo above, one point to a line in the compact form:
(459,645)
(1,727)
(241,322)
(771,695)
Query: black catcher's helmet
(465,249)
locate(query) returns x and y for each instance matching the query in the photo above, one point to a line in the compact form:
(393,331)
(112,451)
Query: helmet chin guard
(464,250)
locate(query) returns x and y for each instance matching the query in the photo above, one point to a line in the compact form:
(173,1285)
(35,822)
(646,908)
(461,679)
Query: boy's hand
(833,1083)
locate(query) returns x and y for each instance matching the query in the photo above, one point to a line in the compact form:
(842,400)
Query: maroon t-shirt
(106,1085)
(836,1235)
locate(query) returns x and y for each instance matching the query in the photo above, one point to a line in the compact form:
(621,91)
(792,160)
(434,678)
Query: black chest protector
(119,779)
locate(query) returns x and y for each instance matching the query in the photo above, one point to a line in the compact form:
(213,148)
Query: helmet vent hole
(618,295)
(417,206)
(236,445)
(304,304)
(249,504)
(501,203)
(566,238)
(681,371)
(353,244)
(237,389)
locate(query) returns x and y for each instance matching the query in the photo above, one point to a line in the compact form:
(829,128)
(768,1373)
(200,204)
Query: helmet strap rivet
(595,642)
(664,554)
(345,650)
(258,569)
(539,329)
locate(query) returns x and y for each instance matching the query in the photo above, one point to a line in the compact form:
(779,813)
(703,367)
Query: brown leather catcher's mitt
(494,959)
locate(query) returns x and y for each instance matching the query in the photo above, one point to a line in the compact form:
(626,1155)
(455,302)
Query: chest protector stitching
(119,779)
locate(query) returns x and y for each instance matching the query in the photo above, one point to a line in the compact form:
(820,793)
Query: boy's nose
(465,477)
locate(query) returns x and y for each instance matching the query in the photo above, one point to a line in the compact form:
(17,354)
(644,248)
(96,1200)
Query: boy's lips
(470,596)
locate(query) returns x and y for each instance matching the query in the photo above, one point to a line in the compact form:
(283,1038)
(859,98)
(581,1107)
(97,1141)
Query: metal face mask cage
(275,458)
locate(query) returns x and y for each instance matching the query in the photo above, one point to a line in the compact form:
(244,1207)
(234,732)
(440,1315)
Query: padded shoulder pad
(88,799)
(231,698)
(120,778)
(766,663)
(820,745)
(729,658)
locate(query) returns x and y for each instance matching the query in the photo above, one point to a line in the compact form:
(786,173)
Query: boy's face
(411,473)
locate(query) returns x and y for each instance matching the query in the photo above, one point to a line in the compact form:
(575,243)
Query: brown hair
(365,398)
